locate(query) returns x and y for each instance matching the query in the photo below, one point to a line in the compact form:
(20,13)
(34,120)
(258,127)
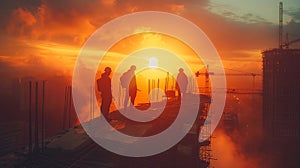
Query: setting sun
(201,83)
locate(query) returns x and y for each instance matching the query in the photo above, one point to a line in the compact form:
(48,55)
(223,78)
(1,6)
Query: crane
(287,43)
(280,24)
(207,73)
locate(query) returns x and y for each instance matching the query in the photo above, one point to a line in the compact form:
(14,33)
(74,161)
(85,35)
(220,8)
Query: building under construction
(281,86)
(74,148)
(281,95)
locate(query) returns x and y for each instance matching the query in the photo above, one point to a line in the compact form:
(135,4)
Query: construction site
(72,146)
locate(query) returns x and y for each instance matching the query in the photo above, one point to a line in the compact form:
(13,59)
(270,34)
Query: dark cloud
(72,22)
(251,18)
(67,20)
(294,13)
(246,18)
(229,14)
(51,21)
(8,6)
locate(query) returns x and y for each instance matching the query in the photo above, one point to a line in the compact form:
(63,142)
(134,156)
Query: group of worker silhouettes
(128,81)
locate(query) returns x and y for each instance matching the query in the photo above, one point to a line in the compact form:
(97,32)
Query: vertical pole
(207,80)
(149,89)
(119,95)
(165,85)
(70,105)
(167,81)
(91,104)
(157,90)
(65,108)
(153,86)
(280,23)
(43,116)
(36,145)
(154,80)
(30,120)
(173,84)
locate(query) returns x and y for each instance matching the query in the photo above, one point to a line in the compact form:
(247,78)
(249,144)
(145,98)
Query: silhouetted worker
(182,82)
(128,81)
(104,86)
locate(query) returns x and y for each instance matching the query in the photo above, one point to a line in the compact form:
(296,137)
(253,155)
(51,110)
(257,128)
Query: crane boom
(206,74)
(288,43)
(227,74)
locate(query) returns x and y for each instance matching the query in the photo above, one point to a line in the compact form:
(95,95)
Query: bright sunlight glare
(153,63)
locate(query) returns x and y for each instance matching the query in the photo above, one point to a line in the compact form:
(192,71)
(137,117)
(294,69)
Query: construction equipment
(287,43)
(207,73)
(280,23)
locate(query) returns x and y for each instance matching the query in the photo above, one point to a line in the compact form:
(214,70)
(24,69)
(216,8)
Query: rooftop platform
(74,148)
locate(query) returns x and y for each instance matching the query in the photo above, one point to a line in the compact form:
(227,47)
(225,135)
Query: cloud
(74,21)
(70,23)
(251,18)
(52,20)
(32,65)
(21,21)
(294,13)
(229,11)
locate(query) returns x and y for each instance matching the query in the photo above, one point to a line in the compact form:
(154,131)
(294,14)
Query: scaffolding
(205,140)
(281,88)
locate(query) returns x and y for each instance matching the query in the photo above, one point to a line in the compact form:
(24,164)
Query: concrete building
(281,99)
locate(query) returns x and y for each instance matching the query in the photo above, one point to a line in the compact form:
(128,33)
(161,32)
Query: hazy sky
(47,35)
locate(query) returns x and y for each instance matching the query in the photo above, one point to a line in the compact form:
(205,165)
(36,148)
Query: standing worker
(128,81)
(104,86)
(182,82)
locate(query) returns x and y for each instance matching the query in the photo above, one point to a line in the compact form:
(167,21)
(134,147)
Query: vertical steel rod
(30,120)
(43,115)
(70,105)
(36,145)
(65,108)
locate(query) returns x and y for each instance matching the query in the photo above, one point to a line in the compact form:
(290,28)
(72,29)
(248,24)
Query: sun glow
(151,60)
(153,63)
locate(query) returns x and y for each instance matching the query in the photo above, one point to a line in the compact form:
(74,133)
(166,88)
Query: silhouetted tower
(280,23)
(281,95)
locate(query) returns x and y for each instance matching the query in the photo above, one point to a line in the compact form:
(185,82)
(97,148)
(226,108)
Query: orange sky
(129,45)
(42,38)
(47,35)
